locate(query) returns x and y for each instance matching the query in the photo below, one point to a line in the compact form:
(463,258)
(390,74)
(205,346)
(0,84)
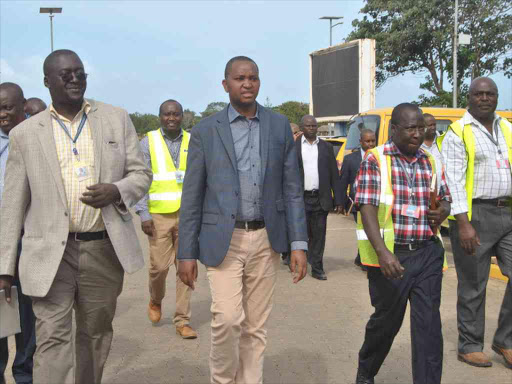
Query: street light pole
(51,11)
(455,48)
(331,26)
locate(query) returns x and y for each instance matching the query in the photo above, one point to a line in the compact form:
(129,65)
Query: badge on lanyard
(81,170)
(411,210)
(503,163)
(180,176)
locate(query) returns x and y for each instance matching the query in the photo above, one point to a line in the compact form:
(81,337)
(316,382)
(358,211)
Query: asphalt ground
(314,332)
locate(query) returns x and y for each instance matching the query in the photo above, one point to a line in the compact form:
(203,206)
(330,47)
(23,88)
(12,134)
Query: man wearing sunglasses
(72,173)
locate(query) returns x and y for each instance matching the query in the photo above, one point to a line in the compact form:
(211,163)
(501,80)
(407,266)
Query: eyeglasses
(413,129)
(68,76)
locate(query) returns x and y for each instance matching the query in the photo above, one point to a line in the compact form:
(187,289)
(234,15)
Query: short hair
(396,115)
(37,101)
(306,117)
(169,101)
(52,57)
(429,115)
(233,60)
(366,131)
(15,87)
(482,78)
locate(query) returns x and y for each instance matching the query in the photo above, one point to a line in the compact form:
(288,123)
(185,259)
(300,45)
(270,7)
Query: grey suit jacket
(211,188)
(34,198)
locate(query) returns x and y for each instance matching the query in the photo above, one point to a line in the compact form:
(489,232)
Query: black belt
(250,225)
(499,203)
(412,246)
(89,236)
(313,192)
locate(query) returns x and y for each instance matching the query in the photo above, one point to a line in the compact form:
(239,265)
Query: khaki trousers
(242,289)
(162,253)
(89,279)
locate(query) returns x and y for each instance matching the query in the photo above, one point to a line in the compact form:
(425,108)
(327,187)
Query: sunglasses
(68,76)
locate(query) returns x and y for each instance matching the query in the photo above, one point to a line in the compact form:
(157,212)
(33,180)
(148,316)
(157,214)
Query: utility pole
(51,11)
(331,18)
(455,47)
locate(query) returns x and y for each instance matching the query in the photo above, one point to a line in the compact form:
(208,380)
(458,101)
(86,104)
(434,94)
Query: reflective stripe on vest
(468,138)
(384,216)
(165,191)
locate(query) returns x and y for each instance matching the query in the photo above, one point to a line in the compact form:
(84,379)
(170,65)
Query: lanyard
(494,141)
(3,149)
(78,132)
(410,180)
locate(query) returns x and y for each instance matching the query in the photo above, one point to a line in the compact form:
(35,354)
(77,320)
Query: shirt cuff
(459,207)
(144,215)
(299,245)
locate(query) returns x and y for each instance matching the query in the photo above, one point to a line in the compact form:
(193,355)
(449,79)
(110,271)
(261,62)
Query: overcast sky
(140,53)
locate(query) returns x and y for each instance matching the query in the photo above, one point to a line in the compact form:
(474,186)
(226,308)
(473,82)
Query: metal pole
(51,30)
(330,32)
(455,46)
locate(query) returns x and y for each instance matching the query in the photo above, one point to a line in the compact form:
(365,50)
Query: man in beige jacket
(72,173)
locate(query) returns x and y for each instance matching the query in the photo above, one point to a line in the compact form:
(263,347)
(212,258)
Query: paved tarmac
(314,333)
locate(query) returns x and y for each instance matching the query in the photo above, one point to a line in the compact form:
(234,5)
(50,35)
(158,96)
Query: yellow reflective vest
(384,216)
(165,190)
(466,135)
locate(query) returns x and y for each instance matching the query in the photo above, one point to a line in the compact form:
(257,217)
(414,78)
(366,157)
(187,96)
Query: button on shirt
(4,152)
(407,229)
(246,139)
(490,182)
(174,146)
(83,217)
(310,163)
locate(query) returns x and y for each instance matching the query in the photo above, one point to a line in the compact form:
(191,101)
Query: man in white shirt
(320,178)
(477,150)
(429,143)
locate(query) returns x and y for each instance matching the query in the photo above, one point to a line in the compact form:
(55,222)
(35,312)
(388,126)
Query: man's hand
(5,284)
(390,266)
(100,195)
(187,270)
(437,216)
(469,239)
(148,227)
(339,209)
(298,265)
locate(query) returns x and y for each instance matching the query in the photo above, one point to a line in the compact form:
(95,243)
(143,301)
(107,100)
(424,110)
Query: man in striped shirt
(476,150)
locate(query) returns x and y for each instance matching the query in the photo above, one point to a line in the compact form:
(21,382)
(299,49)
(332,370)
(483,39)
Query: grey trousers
(89,279)
(494,228)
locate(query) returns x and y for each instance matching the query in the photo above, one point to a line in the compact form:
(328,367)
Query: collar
(391,149)
(304,140)
(180,136)
(469,119)
(86,107)
(362,153)
(233,113)
(3,135)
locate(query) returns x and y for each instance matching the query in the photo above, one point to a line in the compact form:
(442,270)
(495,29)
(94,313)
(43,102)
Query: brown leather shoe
(476,359)
(506,353)
(154,312)
(186,332)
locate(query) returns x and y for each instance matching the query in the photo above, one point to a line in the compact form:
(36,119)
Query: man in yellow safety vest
(399,247)
(477,150)
(165,152)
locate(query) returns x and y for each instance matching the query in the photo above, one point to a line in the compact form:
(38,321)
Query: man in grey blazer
(72,173)
(241,206)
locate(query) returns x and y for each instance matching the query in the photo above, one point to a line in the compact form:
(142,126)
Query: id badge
(503,164)
(410,210)
(180,175)
(82,171)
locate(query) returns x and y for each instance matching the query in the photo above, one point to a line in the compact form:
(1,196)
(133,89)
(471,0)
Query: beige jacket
(34,198)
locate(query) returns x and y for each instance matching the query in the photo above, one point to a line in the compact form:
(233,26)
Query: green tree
(293,110)
(144,122)
(417,37)
(189,119)
(213,108)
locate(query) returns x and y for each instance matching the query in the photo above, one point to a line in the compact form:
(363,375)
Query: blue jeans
(25,341)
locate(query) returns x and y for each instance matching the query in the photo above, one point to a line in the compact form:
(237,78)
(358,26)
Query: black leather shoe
(361,379)
(319,276)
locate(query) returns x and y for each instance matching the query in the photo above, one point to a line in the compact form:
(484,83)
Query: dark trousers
(421,285)
(316,219)
(494,228)
(25,342)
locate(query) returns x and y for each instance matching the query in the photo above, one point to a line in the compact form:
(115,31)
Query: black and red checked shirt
(407,229)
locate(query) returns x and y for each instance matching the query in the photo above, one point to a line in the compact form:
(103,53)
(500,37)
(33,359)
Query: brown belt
(499,203)
(250,225)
